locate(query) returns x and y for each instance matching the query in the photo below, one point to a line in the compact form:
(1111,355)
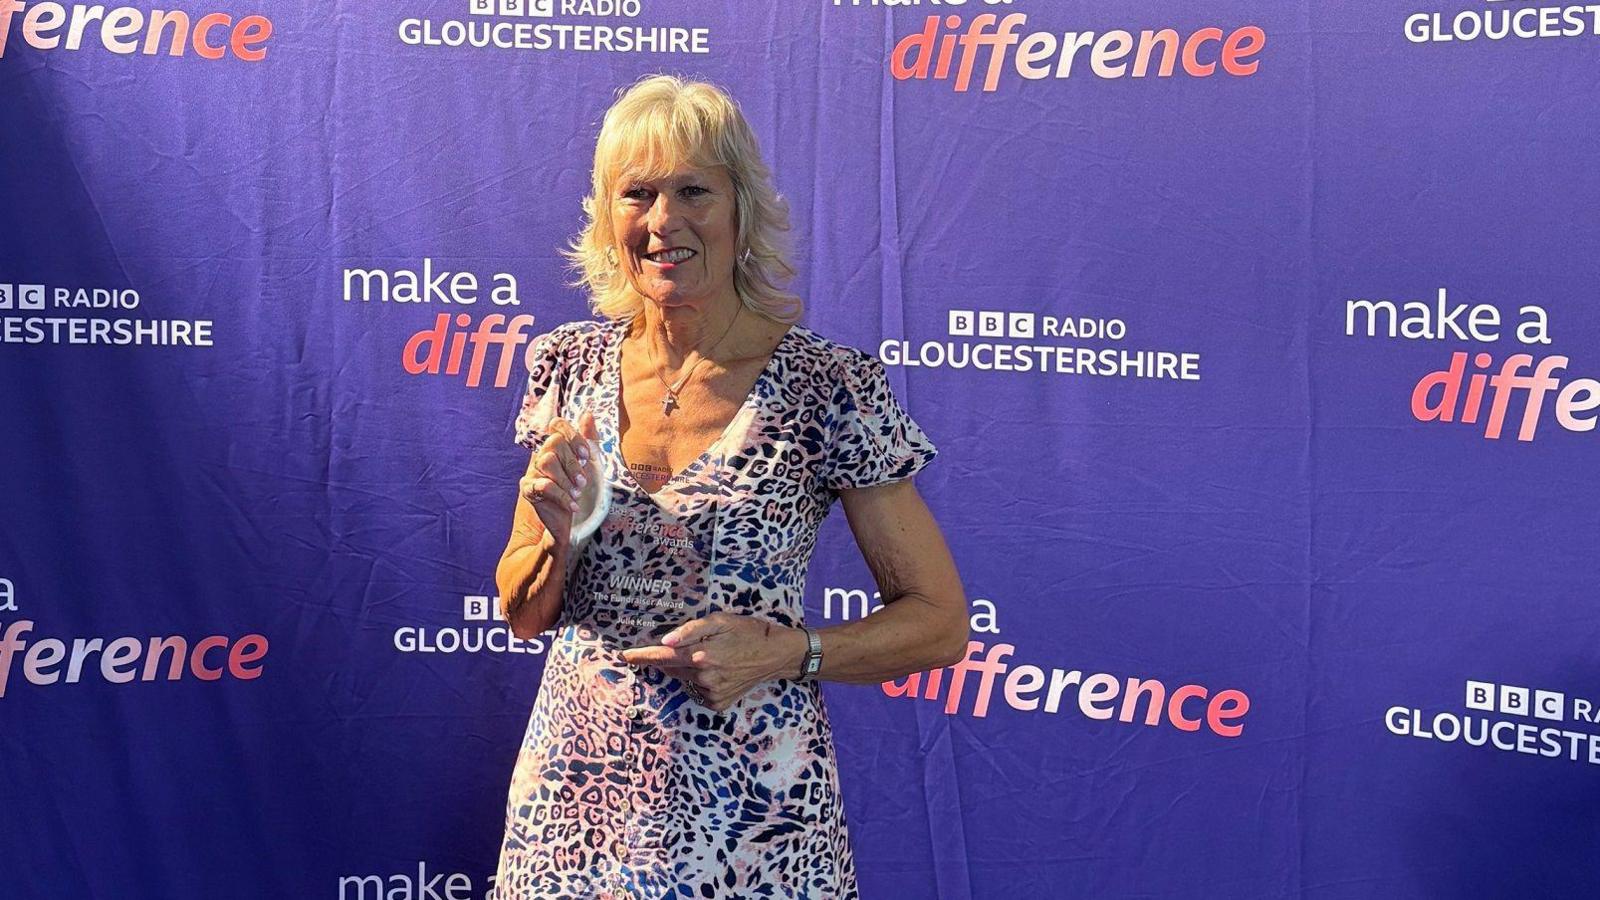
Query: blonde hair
(656,125)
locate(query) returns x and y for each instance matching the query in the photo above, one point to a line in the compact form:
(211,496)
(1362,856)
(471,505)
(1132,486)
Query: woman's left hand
(721,656)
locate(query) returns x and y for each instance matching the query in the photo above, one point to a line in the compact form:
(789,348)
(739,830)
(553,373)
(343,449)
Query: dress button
(635,713)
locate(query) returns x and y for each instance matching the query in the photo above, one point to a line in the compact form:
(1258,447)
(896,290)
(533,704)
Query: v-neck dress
(625,785)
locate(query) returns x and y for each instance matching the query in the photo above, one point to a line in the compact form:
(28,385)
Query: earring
(745,258)
(611,257)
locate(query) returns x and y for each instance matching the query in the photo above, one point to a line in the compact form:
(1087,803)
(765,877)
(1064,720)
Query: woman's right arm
(532,571)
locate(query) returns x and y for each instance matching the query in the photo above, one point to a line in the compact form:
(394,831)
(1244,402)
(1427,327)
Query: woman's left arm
(924,622)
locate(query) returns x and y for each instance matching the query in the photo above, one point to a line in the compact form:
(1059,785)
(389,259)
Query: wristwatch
(813,660)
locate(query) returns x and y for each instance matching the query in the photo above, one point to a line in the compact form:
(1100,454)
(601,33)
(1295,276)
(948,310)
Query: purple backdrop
(1171,333)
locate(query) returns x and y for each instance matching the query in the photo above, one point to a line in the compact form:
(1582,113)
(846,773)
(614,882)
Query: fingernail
(574,493)
(582,480)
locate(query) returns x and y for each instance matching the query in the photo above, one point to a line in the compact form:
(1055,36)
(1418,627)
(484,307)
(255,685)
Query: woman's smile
(669,258)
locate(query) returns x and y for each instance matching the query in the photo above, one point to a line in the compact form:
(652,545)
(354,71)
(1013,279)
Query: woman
(678,746)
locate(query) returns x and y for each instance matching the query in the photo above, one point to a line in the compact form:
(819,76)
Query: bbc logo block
(1019,324)
(21,296)
(990,323)
(1516,701)
(475,609)
(541,9)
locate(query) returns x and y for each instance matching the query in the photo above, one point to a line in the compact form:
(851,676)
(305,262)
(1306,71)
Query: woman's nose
(663,214)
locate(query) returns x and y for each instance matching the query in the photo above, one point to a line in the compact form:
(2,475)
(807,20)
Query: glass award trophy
(594,503)
(594,499)
(676,536)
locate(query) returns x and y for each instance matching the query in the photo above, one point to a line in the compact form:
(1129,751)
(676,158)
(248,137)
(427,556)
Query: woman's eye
(640,193)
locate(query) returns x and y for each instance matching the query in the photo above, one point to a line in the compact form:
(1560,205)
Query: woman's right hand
(560,469)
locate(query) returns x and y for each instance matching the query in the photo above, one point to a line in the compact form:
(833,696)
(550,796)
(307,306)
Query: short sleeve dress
(625,786)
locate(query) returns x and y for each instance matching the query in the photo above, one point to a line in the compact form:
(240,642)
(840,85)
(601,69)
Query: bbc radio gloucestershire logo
(1504,20)
(480,631)
(33,313)
(569,26)
(1028,343)
(1509,718)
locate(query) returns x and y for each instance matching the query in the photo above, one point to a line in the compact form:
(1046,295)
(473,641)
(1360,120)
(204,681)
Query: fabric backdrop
(1258,341)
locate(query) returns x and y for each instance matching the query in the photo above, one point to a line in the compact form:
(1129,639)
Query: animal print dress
(626,786)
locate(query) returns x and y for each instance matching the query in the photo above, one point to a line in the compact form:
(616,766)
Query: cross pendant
(669,403)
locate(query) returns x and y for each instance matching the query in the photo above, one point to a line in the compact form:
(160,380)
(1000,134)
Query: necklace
(670,401)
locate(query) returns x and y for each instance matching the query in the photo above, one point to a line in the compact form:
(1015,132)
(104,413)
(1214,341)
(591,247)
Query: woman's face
(675,236)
